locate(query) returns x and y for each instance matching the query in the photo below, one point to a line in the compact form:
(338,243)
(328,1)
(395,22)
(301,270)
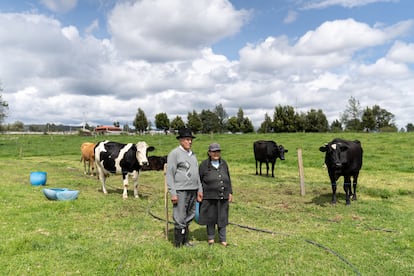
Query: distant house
(110,130)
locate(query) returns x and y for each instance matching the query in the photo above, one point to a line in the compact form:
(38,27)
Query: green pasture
(273,231)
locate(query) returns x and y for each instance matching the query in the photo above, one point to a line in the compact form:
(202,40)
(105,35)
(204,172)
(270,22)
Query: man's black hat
(185,132)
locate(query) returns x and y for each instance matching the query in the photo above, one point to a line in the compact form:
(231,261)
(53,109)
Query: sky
(98,61)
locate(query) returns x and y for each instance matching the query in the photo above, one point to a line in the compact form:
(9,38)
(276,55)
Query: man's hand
(174,199)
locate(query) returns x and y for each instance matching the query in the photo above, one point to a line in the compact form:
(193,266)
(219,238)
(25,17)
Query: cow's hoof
(348,203)
(136,196)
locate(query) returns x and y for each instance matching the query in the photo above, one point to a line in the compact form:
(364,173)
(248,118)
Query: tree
(410,127)
(16,126)
(140,122)
(232,125)
(177,123)
(162,121)
(368,119)
(194,122)
(246,125)
(383,119)
(266,125)
(209,121)
(240,123)
(222,117)
(378,119)
(284,119)
(315,121)
(126,128)
(351,116)
(336,126)
(4,106)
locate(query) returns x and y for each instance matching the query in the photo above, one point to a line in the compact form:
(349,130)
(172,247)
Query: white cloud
(290,17)
(50,72)
(59,5)
(321,4)
(169,30)
(401,52)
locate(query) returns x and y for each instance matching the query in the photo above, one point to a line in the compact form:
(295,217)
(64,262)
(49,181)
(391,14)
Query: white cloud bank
(159,59)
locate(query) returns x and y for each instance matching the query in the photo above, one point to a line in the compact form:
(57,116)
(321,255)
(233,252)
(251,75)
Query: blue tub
(38,178)
(60,194)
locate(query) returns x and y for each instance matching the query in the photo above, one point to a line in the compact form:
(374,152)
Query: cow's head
(282,151)
(335,153)
(142,151)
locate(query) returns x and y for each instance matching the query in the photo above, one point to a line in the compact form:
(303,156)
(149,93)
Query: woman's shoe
(210,242)
(225,244)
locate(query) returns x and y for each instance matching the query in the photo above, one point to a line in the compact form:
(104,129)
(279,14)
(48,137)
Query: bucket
(197,212)
(38,178)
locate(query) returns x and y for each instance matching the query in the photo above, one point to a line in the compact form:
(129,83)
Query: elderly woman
(217,194)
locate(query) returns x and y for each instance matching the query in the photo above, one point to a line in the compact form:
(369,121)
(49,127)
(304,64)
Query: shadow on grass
(121,191)
(325,200)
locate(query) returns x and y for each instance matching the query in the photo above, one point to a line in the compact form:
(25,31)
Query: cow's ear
(286,150)
(151,148)
(323,148)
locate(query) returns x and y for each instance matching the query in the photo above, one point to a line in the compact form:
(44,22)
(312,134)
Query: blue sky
(68,61)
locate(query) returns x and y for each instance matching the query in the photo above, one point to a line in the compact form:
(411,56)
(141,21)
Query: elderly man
(184,186)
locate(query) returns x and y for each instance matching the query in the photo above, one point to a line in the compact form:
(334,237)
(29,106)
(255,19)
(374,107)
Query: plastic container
(60,194)
(38,178)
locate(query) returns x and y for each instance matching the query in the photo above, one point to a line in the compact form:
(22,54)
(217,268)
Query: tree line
(284,119)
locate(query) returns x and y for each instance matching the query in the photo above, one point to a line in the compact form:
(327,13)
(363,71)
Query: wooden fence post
(166,201)
(301,176)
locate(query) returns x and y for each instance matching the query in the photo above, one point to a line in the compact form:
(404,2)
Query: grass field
(273,231)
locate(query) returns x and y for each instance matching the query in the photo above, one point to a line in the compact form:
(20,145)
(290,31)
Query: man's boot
(186,237)
(178,237)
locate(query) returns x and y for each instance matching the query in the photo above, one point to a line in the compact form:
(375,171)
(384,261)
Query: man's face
(186,143)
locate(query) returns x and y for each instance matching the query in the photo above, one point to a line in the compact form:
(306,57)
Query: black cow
(155,163)
(125,159)
(343,158)
(268,151)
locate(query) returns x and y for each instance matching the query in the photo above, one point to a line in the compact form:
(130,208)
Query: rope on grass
(272,233)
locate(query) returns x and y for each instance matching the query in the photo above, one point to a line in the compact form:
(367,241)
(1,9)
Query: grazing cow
(125,159)
(155,163)
(88,155)
(268,151)
(343,158)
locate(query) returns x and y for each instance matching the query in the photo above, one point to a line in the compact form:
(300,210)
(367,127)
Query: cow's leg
(135,175)
(125,182)
(355,178)
(102,177)
(256,167)
(267,168)
(347,189)
(273,169)
(89,166)
(260,167)
(333,184)
(84,166)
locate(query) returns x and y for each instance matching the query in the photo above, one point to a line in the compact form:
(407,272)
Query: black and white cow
(125,159)
(268,151)
(155,163)
(343,158)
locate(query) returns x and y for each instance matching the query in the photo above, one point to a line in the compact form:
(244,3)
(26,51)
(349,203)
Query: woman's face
(214,155)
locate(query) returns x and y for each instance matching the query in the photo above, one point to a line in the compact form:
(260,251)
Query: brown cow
(88,155)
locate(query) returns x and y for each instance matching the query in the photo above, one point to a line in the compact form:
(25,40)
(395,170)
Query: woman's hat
(185,132)
(214,147)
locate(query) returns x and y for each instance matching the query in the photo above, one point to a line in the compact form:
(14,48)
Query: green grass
(273,231)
